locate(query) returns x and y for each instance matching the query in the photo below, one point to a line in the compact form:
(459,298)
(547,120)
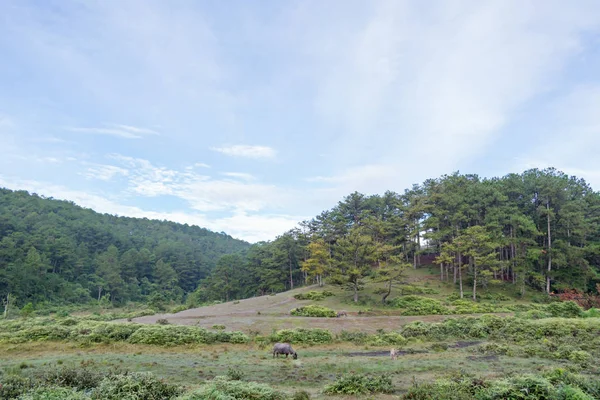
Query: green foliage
(12,386)
(223,388)
(83,331)
(313,311)
(27,310)
(591,313)
(234,374)
(134,386)
(54,393)
(411,289)
(300,335)
(566,309)
(417,305)
(301,395)
(219,327)
(552,386)
(356,384)
(313,295)
(162,321)
(56,252)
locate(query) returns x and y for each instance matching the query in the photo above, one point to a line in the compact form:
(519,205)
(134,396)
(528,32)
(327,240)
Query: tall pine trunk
(549,247)
(460,275)
(474,281)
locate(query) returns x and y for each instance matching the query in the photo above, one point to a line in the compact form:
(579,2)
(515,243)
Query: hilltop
(54,251)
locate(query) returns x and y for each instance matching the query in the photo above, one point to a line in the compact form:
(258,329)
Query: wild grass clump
(357,384)
(223,388)
(54,393)
(134,385)
(314,311)
(418,305)
(300,335)
(551,386)
(172,335)
(313,295)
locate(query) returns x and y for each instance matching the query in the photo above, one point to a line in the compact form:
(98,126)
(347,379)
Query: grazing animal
(394,354)
(342,314)
(284,348)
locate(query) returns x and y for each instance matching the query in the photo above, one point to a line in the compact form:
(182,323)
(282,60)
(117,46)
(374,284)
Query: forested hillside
(54,251)
(538,230)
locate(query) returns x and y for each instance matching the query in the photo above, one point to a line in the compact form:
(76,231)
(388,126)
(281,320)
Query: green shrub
(567,309)
(222,388)
(12,386)
(54,393)
(580,356)
(591,313)
(162,321)
(494,348)
(313,295)
(313,311)
(386,339)
(219,327)
(301,395)
(234,374)
(417,305)
(301,335)
(134,386)
(72,377)
(355,384)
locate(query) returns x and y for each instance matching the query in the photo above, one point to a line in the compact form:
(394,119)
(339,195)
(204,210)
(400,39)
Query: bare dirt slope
(265,313)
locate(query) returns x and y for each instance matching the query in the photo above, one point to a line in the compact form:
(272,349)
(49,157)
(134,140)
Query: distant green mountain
(57,252)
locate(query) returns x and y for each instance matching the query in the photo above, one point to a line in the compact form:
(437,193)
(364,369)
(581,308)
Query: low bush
(300,335)
(219,327)
(223,388)
(314,311)
(54,393)
(417,305)
(12,386)
(356,384)
(134,385)
(313,295)
(527,387)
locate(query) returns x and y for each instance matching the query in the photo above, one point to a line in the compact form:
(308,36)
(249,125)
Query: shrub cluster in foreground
(83,384)
(555,385)
(359,384)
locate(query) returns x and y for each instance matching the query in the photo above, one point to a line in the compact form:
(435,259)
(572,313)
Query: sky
(248,117)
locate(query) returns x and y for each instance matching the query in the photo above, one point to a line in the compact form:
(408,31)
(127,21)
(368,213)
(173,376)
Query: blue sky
(248,117)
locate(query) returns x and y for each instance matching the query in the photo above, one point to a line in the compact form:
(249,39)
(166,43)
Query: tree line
(55,252)
(537,230)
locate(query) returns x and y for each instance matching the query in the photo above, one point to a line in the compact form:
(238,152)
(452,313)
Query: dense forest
(56,252)
(538,230)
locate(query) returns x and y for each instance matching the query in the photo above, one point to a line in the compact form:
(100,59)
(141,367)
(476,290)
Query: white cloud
(104,172)
(122,131)
(240,175)
(440,79)
(241,225)
(569,136)
(247,151)
(202,192)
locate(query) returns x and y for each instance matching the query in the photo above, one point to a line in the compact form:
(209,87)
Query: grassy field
(472,349)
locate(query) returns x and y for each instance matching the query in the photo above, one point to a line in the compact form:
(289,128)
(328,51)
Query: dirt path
(265,313)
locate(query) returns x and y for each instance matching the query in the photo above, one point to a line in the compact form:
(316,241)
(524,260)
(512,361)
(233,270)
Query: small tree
(27,310)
